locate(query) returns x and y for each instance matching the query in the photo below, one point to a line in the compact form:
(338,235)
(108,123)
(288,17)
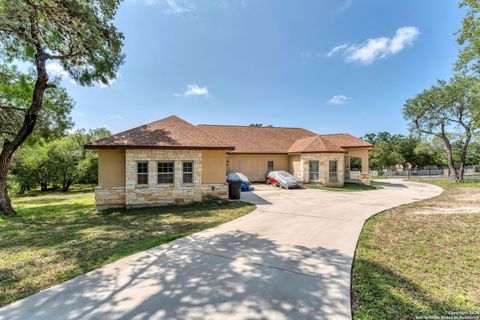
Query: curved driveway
(289,259)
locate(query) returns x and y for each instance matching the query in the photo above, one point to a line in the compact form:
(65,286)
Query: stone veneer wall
(323,159)
(178,192)
(109,197)
(214,191)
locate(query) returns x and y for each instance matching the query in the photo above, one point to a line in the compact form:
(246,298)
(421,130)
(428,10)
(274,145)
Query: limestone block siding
(154,193)
(323,159)
(213,191)
(109,197)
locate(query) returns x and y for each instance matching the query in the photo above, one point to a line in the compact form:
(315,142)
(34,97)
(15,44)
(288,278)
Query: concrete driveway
(289,259)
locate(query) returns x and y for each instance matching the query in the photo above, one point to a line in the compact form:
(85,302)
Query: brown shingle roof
(257,139)
(346,140)
(314,144)
(171,132)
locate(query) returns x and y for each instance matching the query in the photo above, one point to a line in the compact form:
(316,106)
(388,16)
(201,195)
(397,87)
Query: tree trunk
(451,164)
(29,121)
(23,188)
(463,154)
(5,158)
(460,173)
(43,186)
(66,185)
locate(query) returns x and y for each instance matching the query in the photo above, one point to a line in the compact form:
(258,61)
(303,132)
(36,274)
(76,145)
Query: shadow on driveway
(202,278)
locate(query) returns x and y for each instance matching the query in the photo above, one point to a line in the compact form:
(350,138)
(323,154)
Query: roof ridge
(336,134)
(238,125)
(313,140)
(326,142)
(143,125)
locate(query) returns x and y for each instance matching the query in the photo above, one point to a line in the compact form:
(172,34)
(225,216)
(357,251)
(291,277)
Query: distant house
(173,161)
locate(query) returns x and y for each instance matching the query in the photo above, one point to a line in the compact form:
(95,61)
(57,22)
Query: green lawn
(347,187)
(421,259)
(58,236)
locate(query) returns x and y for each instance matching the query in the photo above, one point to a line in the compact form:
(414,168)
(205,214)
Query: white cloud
(336,49)
(56,70)
(169,6)
(194,90)
(377,48)
(177,7)
(339,99)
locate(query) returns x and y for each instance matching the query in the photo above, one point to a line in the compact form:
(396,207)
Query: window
(165,172)
(188,172)
(314,170)
(332,170)
(142,172)
(270,165)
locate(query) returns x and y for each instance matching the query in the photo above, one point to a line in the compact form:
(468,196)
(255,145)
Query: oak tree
(449,111)
(77,34)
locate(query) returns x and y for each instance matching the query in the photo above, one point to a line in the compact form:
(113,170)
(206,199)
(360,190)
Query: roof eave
(369,146)
(297,152)
(95,147)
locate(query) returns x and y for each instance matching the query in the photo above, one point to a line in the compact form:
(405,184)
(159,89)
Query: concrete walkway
(289,259)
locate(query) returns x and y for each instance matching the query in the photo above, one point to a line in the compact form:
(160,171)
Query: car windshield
(285,174)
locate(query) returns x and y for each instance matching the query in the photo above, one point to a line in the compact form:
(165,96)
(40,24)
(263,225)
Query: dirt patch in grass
(409,264)
(347,187)
(58,236)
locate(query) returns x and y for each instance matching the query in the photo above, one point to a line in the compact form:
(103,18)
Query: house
(173,161)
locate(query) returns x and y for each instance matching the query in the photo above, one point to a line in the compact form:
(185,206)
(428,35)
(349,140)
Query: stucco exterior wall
(323,159)
(254,166)
(361,153)
(111,168)
(214,166)
(295,165)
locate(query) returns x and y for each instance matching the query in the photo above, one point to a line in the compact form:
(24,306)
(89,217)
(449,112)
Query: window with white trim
(187,172)
(166,172)
(314,170)
(332,170)
(142,172)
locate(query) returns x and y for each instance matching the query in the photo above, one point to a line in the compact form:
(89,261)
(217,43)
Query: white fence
(471,172)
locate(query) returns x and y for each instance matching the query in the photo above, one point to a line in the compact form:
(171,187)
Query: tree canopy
(15,95)
(77,34)
(469,37)
(449,111)
(61,161)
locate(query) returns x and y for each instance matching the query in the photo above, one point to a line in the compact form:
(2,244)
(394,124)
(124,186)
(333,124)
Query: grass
(347,187)
(421,259)
(58,236)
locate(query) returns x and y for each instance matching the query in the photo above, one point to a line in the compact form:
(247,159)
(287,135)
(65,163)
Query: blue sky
(273,62)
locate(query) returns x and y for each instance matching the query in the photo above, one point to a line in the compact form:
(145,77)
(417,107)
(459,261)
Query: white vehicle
(284,179)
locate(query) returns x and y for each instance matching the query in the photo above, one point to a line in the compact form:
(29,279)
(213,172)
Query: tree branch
(14,108)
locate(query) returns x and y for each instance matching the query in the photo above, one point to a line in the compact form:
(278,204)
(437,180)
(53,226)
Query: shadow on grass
(388,184)
(202,278)
(379,293)
(46,237)
(77,188)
